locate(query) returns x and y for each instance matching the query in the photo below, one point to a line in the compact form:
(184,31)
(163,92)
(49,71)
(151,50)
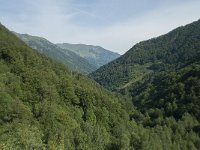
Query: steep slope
(169,93)
(43,105)
(162,75)
(171,51)
(94,54)
(72,60)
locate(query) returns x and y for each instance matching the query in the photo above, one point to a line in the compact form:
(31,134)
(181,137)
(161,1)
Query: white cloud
(122,36)
(55,21)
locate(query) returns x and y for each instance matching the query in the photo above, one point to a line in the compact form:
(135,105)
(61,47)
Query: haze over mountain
(67,57)
(84,97)
(43,105)
(94,54)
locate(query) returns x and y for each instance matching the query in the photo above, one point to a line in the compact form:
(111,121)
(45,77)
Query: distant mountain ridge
(170,51)
(67,57)
(43,105)
(161,75)
(94,54)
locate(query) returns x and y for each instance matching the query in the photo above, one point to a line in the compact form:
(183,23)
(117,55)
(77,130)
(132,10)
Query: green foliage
(162,75)
(172,93)
(43,105)
(174,50)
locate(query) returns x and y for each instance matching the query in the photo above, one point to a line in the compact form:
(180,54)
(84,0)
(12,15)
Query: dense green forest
(65,56)
(172,51)
(44,105)
(94,54)
(162,75)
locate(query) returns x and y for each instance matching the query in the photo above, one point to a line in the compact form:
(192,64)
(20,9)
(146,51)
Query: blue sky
(114,24)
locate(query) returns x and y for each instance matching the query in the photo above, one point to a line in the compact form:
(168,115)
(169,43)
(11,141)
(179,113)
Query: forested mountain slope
(43,105)
(174,50)
(94,54)
(162,75)
(72,60)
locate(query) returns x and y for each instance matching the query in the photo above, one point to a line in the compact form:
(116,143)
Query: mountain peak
(69,58)
(94,54)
